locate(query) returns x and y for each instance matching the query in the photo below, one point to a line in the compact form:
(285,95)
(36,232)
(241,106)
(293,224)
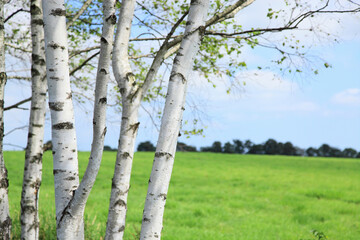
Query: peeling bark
(5,220)
(29,218)
(152,222)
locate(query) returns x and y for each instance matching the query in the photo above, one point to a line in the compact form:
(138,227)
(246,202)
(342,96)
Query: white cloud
(349,96)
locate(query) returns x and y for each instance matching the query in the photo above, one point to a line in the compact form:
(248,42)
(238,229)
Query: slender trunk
(76,206)
(5,220)
(152,221)
(121,180)
(66,176)
(33,157)
(132,95)
(129,125)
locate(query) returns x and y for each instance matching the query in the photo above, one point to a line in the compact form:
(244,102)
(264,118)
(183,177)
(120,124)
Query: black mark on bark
(134,127)
(162,195)
(34,72)
(38,22)
(69,178)
(103,70)
(56,171)
(55,46)
(63,125)
(183,79)
(112,19)
(162,154)
(58,12)
(103,100)
(56,106)
(120,203)
(34,9)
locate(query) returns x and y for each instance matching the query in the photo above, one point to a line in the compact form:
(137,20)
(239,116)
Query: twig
(13,130)
(78,14)
(14,13)
(17,104)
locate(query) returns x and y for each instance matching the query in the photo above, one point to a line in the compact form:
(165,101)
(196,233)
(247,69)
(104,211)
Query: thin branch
(151,117)
(17,47)
(295,22)
(256,32)
(151,39)
(159,58)
(74,53)
(14,145)
(15,129)
(17,104)
(84,63)
(229,12)
(147,25)
(141,56)
(152,14)
(19,78)
(78,14)
(14,13)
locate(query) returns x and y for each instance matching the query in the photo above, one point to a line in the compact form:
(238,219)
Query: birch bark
(66,177)
(33,157)
(71,199)
(129,125)
(5,220)
(76,206)
(152,221)
(132,94)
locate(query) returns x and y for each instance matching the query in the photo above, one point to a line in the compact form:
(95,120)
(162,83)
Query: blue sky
(309,111)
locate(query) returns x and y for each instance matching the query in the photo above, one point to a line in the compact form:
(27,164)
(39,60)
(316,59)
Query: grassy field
(219,196)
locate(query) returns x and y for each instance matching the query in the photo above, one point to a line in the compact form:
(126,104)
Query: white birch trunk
(75,208)
(152,221)
(132,95)
(5,220)
(129,124)
(33,157)
(66,177)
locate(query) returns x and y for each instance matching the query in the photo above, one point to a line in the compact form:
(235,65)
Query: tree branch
(154,15)
(15,129)
(84,63)
(78,14)
(17,47)
(19,78)
(14,13)
(17,104)
(76,52)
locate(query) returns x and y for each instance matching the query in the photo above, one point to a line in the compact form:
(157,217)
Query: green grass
(219,196)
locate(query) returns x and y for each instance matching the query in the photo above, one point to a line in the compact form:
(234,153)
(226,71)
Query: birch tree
(34,150)
(5,220)
(171,120)
(70,197)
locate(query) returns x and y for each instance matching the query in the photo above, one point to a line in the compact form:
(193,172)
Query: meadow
(218,196)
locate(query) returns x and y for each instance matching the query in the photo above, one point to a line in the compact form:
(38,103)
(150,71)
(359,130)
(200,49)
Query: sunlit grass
(219,196)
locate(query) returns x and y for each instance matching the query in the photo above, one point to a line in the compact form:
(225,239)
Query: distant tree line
(270,147)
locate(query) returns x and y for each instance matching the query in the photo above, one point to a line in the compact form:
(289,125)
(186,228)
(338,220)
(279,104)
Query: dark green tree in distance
(183,147)
(228,148)
(271,147)
(311,152)
(288,149)
(239,146)
(349,153)
(146,147)
(216,146)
